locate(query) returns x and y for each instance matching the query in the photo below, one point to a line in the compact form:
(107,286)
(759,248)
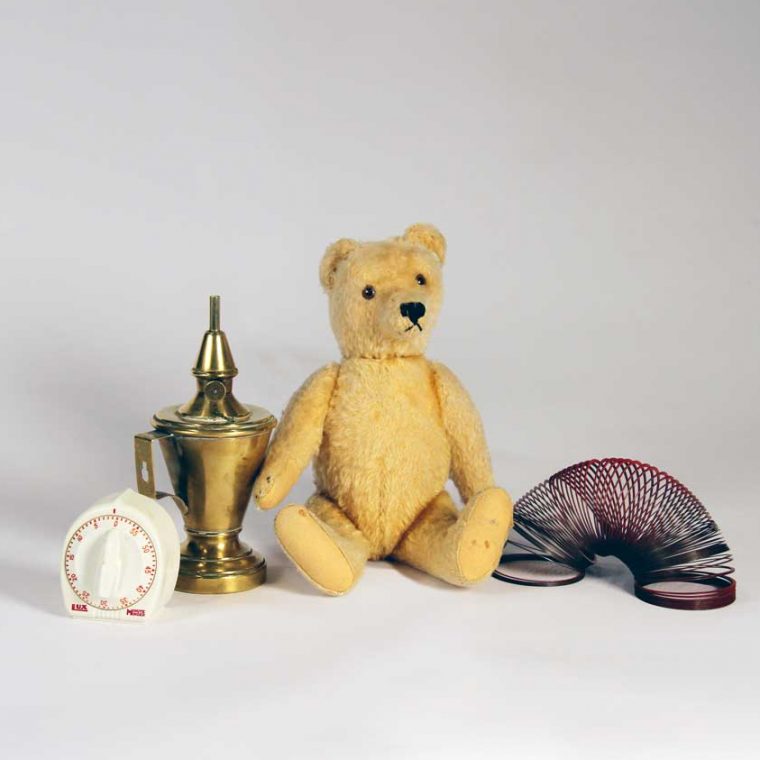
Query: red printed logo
(136,613)
(79,607)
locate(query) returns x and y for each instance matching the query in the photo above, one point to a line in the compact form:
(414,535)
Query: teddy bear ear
(428,237)
(336,253)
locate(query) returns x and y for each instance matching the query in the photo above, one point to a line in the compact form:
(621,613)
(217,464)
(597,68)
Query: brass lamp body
(213,447)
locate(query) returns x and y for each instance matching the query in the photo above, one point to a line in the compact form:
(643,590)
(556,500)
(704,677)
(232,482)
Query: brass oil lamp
(213,447)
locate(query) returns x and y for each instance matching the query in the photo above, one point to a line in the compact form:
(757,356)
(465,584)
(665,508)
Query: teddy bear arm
(296,439)
(470,461)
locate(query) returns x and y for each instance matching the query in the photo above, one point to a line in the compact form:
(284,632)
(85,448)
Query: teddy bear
(386,428)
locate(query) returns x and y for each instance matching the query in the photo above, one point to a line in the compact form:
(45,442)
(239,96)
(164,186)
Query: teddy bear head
(385,296)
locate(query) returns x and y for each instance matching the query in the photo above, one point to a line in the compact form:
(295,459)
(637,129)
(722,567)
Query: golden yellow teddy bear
(386,428)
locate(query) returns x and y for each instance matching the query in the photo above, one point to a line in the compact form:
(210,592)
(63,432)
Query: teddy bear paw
(485,524)
(325,558)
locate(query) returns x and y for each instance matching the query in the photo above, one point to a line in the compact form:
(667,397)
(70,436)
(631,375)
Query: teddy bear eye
(421,279)
(368,292)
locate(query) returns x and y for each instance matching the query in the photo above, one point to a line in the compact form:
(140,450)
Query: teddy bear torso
(384,453)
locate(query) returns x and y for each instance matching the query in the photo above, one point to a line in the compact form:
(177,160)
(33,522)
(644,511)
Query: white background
(595,167)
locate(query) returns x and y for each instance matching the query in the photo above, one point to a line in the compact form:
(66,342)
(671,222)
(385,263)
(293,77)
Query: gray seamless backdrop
(594,166)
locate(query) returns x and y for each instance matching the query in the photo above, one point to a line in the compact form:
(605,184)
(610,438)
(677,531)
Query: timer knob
(110,567)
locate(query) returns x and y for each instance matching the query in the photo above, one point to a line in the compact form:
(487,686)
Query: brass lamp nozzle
(214,370)
(213,307)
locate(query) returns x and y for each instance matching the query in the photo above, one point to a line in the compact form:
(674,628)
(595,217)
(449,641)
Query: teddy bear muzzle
(414,311)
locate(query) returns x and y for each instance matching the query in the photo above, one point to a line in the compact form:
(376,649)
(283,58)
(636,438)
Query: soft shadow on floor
(40,589)
(37,588)
(182,606)
(613,572)
(422,578)
(286,578)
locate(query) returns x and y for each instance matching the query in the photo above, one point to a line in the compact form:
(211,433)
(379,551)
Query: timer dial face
(110,562)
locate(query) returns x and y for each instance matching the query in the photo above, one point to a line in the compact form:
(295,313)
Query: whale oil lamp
(213,447)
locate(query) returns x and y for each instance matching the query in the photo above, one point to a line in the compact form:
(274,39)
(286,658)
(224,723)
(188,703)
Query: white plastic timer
(120,559)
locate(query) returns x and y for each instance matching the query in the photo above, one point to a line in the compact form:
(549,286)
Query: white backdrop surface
(595,167)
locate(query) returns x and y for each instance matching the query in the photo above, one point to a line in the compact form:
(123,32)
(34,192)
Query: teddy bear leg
(460,548)
(323,544)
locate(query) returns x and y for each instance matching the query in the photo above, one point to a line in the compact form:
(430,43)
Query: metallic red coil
(638,513)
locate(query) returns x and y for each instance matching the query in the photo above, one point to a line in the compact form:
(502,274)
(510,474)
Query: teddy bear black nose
(414,310)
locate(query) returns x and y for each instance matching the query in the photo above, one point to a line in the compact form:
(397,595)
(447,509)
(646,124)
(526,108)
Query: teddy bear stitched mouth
(414,311)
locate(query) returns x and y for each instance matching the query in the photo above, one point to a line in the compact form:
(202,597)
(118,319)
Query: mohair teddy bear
(386,428)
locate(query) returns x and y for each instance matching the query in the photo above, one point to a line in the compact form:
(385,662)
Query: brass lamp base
(218,563)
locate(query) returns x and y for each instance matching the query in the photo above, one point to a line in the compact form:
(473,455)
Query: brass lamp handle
(144,473)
